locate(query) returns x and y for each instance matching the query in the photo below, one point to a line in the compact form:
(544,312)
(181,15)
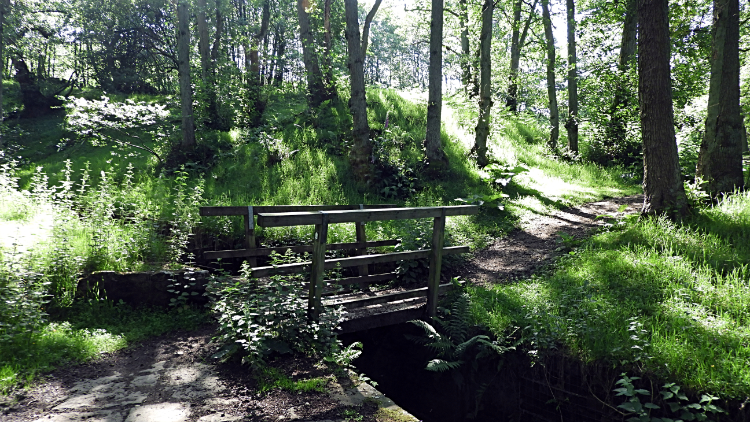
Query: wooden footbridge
(365,309)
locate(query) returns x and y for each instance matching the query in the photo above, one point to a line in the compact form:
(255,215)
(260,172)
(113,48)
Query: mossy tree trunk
(359,156)
(436,158)
(554,114)
(720,157)
(663,189)
(485,85)
(186,90)
(572,123)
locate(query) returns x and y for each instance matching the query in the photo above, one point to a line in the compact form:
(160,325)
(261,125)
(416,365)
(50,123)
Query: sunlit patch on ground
(20,236)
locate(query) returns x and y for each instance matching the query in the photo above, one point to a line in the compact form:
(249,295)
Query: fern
(441,365)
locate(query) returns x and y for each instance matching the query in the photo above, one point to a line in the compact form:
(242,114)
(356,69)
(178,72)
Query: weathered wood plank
(357,216)
(381,320)
(436,262)
(354,261)
(390,297)
(241,253)
(364,280)
(242,210)
(315,304)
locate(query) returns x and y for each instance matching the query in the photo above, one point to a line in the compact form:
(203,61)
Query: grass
(661,297)
(85,332)
(126,219)
(270,378)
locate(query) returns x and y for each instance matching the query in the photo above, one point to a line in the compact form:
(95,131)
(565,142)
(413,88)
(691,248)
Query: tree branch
(366,29)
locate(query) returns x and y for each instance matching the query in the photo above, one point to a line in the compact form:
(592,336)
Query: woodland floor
(170,379)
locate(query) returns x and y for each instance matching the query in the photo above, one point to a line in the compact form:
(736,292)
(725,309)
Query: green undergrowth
(83,333)
(270,378)
(658,297)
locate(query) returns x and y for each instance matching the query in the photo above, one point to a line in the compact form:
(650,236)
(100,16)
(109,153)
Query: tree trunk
(554,117)
(316,88)
(720,157)
(436,158)
(217,36)
(203,44)
(327,59)
(359,157)
(485,94)
(572,124)
(463,17)
(3,11)
(662,185)
(280,61)
(186,90)
(516,44)
(615,131)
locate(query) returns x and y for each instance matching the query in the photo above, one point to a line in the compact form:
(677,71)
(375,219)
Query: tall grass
(661,297)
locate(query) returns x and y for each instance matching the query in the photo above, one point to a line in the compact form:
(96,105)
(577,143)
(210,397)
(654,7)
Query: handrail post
(362,250)
(315,303)
(250,235)
(436,261)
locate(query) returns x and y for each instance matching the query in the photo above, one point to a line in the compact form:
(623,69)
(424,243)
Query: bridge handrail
(283,219)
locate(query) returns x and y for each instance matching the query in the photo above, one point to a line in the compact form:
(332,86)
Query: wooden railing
(321,220)
(321,216)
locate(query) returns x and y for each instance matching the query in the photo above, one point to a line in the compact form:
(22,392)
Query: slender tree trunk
(217,36)
(203,44)
(316,88)
(572,123)
(436,158)
(359,157)
(720,157)
(327,62)
(255,102)
(463,18)
(518,40)
(554,116)
(186,90)
(615,131)
(485,94)
(280,60)
(3,11)
(662,184)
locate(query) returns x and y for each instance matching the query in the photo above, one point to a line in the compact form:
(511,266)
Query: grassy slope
(317,173)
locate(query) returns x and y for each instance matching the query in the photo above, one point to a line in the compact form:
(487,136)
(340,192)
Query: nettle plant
(259,319)
(676,401)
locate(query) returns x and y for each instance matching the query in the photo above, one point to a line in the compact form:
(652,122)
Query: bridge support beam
(436,261)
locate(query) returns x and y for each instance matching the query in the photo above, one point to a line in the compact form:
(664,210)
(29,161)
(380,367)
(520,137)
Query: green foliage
(666,298)
(460,350)
(84,332)
(121,124)
(270,378)
(258,319)
(12,98)
(671,397)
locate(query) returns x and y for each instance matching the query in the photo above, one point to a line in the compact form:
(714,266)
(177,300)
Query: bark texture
(518,40)
(554,115)
(720,157)
(436,158)
(359,156)
(662,185)
(572,123)
(615,132)
(485,86)
(316,89)
(463,17)
(3,11)
(186,90)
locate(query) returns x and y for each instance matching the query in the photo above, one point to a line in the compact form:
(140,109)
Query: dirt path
(535,245)
(168,379)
